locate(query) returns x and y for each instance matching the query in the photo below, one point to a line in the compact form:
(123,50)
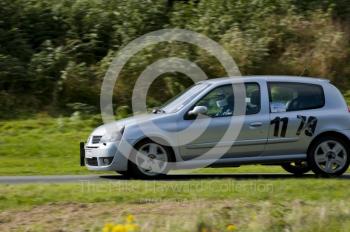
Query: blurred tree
(54,54)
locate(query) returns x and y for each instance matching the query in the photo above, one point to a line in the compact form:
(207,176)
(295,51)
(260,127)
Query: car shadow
(234,176)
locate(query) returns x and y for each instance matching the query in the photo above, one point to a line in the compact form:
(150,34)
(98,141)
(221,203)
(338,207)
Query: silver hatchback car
(299,123)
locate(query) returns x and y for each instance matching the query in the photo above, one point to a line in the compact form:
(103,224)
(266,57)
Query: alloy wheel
(330,156)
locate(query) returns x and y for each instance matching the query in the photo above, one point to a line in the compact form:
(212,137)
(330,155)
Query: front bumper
(102,157)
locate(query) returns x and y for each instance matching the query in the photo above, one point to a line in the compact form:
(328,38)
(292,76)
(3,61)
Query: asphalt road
(173,177)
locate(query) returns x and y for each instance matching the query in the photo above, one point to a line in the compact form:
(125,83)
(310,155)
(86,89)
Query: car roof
(238,79)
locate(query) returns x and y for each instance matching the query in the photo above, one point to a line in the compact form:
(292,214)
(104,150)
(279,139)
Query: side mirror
(198,110)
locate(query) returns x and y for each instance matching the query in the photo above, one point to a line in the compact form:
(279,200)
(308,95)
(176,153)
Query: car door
(252,137)
(292,117)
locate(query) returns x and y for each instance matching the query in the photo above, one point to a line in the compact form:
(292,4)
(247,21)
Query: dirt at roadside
(92,216)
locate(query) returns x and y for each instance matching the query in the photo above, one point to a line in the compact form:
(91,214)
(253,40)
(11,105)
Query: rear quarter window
(286,96)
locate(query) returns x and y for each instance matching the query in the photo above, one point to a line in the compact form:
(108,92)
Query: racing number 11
(277,121)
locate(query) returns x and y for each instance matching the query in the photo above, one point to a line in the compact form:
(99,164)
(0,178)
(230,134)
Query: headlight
(112,136)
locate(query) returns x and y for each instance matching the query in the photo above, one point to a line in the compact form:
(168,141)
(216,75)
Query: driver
(225,105)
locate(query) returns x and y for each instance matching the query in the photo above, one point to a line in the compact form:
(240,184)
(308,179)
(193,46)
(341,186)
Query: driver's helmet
(221,100)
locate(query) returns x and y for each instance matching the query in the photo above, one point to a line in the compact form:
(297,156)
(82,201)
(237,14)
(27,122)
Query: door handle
(255,124)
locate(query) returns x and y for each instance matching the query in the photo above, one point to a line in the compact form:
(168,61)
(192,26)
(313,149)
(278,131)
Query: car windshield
(176,103)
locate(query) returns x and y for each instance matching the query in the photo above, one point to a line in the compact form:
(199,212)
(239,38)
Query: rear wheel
(150,162)
(329,156)
(297,168)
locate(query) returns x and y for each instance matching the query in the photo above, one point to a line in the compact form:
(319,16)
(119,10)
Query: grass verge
(43,146)
(305,204)
(50,146)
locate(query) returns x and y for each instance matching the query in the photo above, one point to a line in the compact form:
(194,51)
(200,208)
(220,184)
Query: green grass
(43,145)
(49,146)
(13,196)
(305,204)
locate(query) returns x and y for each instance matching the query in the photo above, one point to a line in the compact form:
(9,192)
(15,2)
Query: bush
(55,53)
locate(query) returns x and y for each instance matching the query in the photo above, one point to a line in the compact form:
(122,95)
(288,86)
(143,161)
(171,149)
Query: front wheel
(329,156)
(151,161)
(297,168)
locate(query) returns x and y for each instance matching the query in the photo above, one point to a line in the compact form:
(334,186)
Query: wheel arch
(329,133)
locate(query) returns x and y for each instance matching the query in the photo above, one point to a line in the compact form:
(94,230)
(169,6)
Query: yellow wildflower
(108,227)
(132,227)
(129,226)
(130,219)
(119,228)
(231,227)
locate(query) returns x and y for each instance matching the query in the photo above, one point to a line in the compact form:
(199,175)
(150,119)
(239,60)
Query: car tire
(328,156)
(154,155)
(297,168)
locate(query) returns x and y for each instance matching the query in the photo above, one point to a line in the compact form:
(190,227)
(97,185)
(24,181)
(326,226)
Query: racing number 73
(307,124)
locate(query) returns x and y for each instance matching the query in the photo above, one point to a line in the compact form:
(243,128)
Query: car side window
(220,101)
(295,96)
(253,99)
